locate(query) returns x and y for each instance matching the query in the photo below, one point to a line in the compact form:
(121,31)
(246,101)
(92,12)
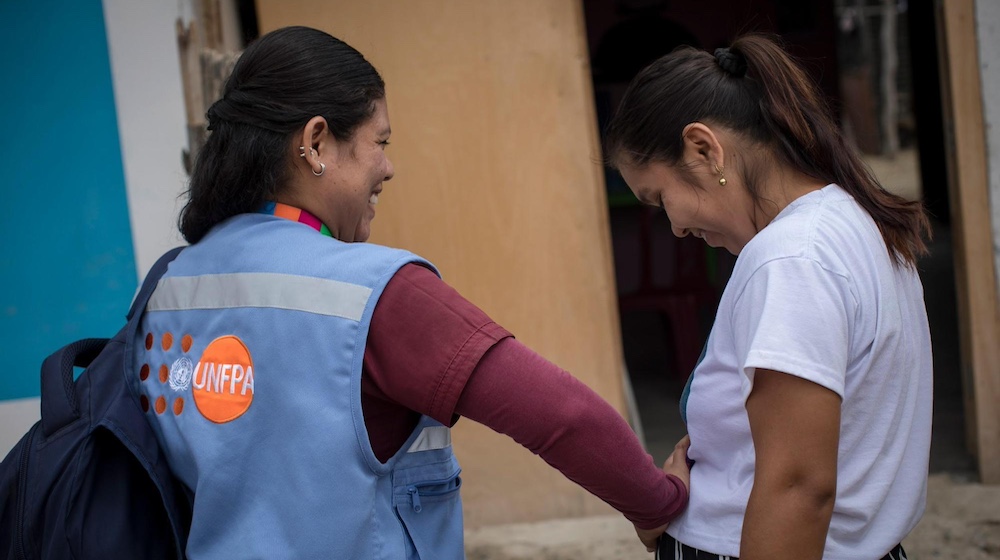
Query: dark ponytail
(282,80)
(756,89)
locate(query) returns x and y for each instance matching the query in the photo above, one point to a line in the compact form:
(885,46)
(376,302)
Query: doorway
(861,54)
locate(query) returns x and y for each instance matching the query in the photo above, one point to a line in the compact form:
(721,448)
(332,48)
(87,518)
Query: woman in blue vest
(303,382)
(810,413)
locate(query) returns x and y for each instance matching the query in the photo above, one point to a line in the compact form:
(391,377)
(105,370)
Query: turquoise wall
(67,269)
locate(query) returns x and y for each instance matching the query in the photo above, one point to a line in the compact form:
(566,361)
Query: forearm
(517,392)
(786,520)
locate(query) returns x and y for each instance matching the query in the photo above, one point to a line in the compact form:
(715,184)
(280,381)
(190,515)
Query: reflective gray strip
(260,289)
(433,437)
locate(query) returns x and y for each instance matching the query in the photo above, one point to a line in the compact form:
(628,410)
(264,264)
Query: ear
(315,143)
(701,145)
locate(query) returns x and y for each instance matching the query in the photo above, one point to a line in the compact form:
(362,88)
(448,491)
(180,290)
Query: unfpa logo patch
(222,380)
(221,383)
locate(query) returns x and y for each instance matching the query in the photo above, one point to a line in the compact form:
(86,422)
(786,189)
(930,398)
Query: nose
(389,170)
(680,232)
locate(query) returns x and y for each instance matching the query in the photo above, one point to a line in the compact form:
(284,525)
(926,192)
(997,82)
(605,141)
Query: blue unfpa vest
(248,365)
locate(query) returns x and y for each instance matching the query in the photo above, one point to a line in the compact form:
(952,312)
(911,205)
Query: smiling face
(695,203)
(355,172)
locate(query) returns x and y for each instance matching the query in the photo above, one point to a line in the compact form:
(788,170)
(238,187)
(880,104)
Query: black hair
(281,80)
(755,89)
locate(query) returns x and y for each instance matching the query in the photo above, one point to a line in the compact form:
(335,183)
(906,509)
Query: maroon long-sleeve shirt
(430,351)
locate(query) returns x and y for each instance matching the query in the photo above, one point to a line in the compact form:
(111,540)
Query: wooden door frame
(975,276)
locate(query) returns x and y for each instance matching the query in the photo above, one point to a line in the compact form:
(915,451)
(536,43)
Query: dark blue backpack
(89,480)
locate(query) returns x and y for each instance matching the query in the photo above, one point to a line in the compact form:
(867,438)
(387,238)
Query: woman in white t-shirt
(810,414)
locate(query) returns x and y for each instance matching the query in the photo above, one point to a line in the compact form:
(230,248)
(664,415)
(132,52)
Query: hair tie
(213,116)
(732,62)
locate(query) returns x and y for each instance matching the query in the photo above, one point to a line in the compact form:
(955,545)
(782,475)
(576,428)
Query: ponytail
(811,142)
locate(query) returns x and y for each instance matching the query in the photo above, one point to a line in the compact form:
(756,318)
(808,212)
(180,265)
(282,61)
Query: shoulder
(823,238)
(826,226)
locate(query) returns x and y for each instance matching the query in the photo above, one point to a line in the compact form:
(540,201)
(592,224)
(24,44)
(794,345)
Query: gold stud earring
(722,177)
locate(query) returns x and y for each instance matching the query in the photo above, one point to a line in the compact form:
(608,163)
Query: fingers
(683,445)
(677,463)
(650,537)
(679,454)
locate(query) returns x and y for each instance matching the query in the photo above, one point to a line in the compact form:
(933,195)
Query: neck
(780,187)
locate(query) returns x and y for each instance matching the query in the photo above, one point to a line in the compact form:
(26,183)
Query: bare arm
(795,425)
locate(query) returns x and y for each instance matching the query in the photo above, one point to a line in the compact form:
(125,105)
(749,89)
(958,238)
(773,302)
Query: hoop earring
(322,169)
(722,176)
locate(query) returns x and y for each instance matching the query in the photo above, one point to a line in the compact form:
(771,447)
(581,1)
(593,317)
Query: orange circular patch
(186,342)
(144,372)
(178,406)
(164,373)
(149,341)
(161,404)
(144,402)
(223,381)
(167,341)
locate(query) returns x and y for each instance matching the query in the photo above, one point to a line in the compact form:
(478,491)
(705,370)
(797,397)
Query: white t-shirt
(815,294)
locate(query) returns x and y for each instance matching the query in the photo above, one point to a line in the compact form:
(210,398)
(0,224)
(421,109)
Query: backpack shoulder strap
(142,298)
(149,284)
(59,402)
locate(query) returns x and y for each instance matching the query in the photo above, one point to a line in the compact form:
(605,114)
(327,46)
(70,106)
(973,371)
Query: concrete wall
(92,139)
(67,267)
(150,103)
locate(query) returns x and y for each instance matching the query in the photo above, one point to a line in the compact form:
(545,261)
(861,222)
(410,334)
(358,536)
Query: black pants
(670,549)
